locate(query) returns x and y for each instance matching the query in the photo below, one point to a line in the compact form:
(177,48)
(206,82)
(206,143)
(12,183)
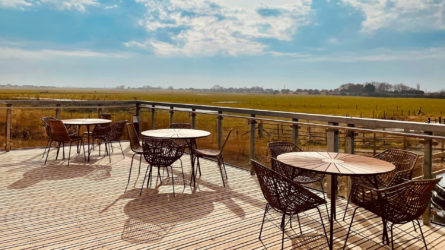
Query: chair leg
(224,165)
(299,224)
(121,149)
(63,149)
(349,229)
(264,216)
(139,171)
(109,155)
(69,153)
(414,226)
(347,204)
(421,233)
(58,149)
(392,234)
(173,182)
(84,155)
(44,151)
(221,171)
(129,174)
(324,197)
(183,176)
(143,182)
(47,153)
(282,229)
(322,223)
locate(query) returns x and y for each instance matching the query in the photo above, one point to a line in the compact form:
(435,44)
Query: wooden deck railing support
(220,129)
(8,127)
(193,114)
(350,149)
(58,111)
(427,172)
(252,123)
(295,131)
(332,145)
(171,115)
(137,117)
(153,110)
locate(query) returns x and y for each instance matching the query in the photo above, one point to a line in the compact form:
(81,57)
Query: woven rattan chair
(161,153)
(136,147)
(404,162)
(99,131)
(111,134)
(216,155)
(181,125)
(300,176)
(59,133)
(285,196)
(398,204)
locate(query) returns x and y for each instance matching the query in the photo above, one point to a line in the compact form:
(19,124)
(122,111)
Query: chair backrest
(402,159)
(133,136)
(282,193)
(105,116)
(280,147)
(117,129)
(58,131)
(225,140)
(45,123)
(181,125)
(161,152)
(283,169)
(407,201)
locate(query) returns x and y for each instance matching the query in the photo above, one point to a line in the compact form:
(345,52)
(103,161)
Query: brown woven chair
(111,134)
(59,133)
(136,147)
(99,131)
(300,176)
(181,125)
(404,162)
(47,130)
(285,196)
(216,155)
(161,153)
(398,204)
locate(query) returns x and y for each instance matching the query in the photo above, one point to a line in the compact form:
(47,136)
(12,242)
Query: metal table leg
(331,218)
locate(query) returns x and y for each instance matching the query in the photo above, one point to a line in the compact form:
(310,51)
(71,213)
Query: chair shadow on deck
(61,172)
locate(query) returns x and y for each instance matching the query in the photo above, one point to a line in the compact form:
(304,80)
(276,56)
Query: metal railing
(428,132)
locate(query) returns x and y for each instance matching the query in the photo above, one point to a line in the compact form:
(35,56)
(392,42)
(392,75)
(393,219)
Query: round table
(336,164)
(86,122)
(180,133)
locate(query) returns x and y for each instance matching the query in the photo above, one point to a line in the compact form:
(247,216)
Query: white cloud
(400,14)
(16,4)
(231,27)
(79,5)
(11,53)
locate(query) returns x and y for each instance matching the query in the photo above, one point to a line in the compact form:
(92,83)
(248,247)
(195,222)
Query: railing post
(193,118)
(58,111)
(153,116)
(332,145)
(350,149)
(405,140)
(427,172)
(295,131)
(171,114)
(8,127)
(99,110)
(252,140)
(220,129)
(137,118)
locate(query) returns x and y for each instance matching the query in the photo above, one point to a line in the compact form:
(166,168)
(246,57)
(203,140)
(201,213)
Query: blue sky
(233,43)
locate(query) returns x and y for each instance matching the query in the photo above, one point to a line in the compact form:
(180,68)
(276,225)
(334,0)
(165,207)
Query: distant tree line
(379,89)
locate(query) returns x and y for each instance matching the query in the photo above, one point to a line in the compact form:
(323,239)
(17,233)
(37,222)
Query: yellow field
(27,129)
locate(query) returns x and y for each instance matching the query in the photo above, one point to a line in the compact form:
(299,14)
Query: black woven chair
(398,204)
(135,147)
(285,196)
(303,177)
(181,125)
(216,155)
(404,162)
(161,153)
(59,133)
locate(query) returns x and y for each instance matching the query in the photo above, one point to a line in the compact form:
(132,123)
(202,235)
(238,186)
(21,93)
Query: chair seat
(139,150)
(207,152)
(307,178)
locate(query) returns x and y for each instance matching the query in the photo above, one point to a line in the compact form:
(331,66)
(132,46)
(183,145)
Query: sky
(233,43)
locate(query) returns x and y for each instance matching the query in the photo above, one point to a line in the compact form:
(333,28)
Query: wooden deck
(86,206)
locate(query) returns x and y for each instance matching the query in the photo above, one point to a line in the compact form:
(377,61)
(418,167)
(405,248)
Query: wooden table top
(86,121)
(336,163)
(177,133)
